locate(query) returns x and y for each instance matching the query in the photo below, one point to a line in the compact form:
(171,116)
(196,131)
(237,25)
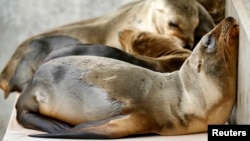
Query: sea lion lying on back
(165,17)
(96,97)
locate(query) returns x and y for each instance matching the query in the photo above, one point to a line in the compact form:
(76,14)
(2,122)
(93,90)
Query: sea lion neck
(213,63)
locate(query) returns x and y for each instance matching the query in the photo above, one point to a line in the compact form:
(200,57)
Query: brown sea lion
(170,61)
(149,44)
(216,8)
(160,53)
(96,97)
(166,17)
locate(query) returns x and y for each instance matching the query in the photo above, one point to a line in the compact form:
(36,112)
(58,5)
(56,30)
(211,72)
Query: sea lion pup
(216,8)
(156,52)
(150,44)
(27,60)
(165,17)
(170,61)
(106,98)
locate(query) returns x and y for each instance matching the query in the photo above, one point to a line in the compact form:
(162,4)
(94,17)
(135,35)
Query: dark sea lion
(149,44)
(171,60)
(44,49)
(28,58)
(106,98)
(205,25)
(145,49)
(165,17)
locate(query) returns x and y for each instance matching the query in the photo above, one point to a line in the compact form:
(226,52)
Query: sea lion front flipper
(42,123)
(119,126)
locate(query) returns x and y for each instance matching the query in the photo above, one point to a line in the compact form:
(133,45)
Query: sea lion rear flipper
(42,123)
(117,127)
(74,135)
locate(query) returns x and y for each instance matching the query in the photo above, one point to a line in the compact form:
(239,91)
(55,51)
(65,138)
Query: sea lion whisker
(225,56)
(226,49)
(228,55)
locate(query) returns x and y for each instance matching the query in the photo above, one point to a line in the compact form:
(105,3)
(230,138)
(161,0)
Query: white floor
(17,133)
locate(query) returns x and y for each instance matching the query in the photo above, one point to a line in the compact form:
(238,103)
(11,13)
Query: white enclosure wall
(240,9)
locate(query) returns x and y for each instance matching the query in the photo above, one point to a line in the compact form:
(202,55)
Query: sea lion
(27,60)
(216,8)
(107,98)
(158,53)
(170,61)
(165,17)
(149,44)
(206,24)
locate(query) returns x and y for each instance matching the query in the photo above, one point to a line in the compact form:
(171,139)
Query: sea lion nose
(230,19)
(187,46)
(229,22)
(189,43)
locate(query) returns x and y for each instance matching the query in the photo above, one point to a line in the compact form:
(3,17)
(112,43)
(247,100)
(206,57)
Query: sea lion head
(211,70)
(180,20)
(217,52)
(147,43)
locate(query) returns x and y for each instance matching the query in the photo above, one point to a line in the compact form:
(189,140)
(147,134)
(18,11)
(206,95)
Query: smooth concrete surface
(20,19)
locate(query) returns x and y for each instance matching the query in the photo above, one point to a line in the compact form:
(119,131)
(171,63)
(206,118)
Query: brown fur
(167,52)
(216,8)
(96,97)
(149,44)
(166,17)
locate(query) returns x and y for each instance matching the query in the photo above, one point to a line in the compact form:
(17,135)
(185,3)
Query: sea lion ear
(206,23)
(199,66)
